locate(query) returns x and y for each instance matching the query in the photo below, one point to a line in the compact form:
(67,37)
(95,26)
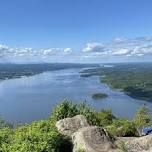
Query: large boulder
(93,139)
(141,144)
(68,126)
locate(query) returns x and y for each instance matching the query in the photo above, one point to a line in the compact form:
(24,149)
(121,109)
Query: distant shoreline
(132,79)
(15,71)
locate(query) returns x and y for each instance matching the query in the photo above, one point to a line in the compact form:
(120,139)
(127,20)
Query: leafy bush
(69,109)
(6,136)
(4,124)
(64,110)
(122,128)
(41,136)
(89,113)
(105,117)
(142,117)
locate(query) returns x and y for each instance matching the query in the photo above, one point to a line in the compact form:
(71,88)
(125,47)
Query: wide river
(32,98)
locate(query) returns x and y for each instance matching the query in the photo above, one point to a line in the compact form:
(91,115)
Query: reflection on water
(31,98)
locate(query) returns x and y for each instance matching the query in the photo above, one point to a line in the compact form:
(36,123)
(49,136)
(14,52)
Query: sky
(75,30)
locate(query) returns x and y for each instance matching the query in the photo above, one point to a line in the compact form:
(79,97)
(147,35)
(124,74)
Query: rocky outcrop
(141,144)
(93,139)
(85,137)
(68,126)
(96,139)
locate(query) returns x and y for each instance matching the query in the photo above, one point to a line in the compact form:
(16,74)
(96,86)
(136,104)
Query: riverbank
(134,79)
(14,71)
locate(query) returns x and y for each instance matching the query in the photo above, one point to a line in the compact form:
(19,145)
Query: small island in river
(98,96)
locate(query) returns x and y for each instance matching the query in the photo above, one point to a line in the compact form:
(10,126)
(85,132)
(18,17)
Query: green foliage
(5,136)
(142,117)
(105,117)
(64,110)
(122,128)
(141,93)
(41,136)
(89,113)
(4,124)
(69,109)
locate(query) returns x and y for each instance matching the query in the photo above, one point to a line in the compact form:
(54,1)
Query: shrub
(105,117)
(122,128)
(40,136)
(4,124)
(89,113)
(69,109)
(64,110)
(142,117)
(6,135)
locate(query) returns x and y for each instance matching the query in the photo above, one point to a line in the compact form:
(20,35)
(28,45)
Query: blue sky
(72,25)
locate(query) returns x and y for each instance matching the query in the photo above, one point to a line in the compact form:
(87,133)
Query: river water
(32,98)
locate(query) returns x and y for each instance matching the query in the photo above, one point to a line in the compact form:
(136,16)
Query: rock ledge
(93,139)
(68,126)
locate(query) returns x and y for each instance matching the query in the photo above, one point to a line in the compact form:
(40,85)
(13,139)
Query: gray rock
(93,139)
(68,126)
(141,144)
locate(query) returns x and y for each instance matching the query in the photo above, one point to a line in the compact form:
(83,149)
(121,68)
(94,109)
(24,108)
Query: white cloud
(122,47)
(68,50)
(94,47)
(3,47)
(47,51)
(120,40)
(121,51)
(119,48)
